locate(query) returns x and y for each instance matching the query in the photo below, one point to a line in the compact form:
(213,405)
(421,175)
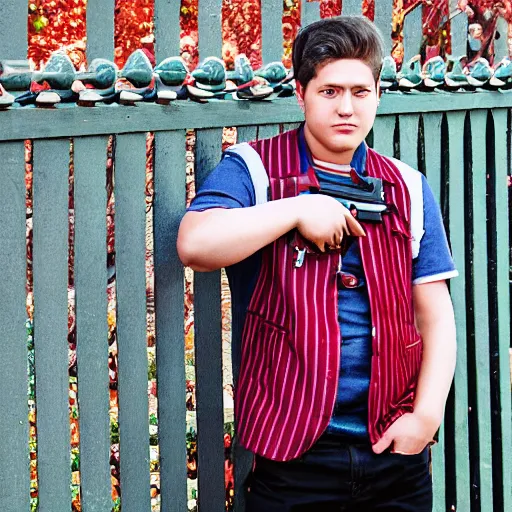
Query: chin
(342,146)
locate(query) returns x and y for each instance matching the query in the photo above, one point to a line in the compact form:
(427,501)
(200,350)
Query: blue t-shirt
(230,186)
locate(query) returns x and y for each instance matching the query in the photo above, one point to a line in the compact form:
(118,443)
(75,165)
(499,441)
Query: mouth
(345,128)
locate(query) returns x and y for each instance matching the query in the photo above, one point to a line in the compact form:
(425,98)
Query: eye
(328,92)
(361,93)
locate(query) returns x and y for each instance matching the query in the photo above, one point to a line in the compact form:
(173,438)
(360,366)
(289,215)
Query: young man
(347,354)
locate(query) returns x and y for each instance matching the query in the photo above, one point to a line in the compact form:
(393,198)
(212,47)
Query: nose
(345,107)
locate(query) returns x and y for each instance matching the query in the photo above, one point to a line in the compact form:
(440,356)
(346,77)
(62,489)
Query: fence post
(210,28)
(413,33)
(169,207)
(14,458)
(130,171)
(310,12)
(271,30)
(208,353)
(459,31)
(501,44)
(167,29)
(13,30)
(51,224)
(352,7)
(383,18)
(100,29)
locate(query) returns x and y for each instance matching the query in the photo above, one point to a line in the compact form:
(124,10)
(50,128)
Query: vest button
(348,280)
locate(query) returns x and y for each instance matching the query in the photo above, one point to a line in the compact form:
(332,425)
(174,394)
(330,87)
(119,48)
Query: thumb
(383,443)
(354,227)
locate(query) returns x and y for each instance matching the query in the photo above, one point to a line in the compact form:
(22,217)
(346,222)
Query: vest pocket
(269,350)
(413,344)
(413,358)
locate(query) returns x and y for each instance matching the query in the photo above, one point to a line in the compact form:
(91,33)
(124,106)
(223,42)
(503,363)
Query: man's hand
(408,435)
(324,221)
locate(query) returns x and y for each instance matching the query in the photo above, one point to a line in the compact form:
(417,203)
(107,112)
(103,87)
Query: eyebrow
(343,86)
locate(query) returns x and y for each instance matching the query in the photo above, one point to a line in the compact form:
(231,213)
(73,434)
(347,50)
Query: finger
(343,228)
(407,446)
(320,244)
(382,444)
(401,450)
(353,226)
(339,238)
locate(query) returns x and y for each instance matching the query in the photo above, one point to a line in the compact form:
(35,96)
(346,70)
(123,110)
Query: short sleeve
(229,185)
(434,261)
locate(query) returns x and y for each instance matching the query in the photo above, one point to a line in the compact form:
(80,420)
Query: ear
(299,90)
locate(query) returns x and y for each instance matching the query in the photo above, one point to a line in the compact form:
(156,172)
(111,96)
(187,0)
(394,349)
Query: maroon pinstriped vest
(291,340)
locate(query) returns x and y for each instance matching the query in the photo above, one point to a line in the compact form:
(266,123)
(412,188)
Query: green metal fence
(461,141)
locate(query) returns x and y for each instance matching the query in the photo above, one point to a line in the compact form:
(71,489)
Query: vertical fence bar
(383,17)
(310,12)
(50,225)
(91,321)
(501,43)
(478,269)
(352,7)
(271,30)
(169,207)
(246,134)
(409,139)
(167,28)
(458,292)
(267,130)
(500,298)
(413,33)
(210,30)
(100,29)
(383,134)
(432,145)
(130,171)
(459,31)
(243,458)
(13,30)
(14,458)
(208,350)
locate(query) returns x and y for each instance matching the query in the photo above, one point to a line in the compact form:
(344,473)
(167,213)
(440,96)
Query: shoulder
(254,165)
(412,177)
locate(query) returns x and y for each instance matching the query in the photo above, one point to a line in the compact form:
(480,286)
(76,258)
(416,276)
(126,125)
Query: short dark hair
(343,37)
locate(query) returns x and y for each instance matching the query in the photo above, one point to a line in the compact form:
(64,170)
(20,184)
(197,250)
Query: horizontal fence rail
(31,123)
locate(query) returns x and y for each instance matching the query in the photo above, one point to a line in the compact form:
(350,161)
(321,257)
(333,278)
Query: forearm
(221,237)
(437,327)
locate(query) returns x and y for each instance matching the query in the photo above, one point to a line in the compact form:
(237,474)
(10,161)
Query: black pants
(335,476)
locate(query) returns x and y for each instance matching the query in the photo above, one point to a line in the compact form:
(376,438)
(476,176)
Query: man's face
(340,104)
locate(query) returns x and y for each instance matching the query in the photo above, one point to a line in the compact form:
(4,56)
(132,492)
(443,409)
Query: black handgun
(363,197)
